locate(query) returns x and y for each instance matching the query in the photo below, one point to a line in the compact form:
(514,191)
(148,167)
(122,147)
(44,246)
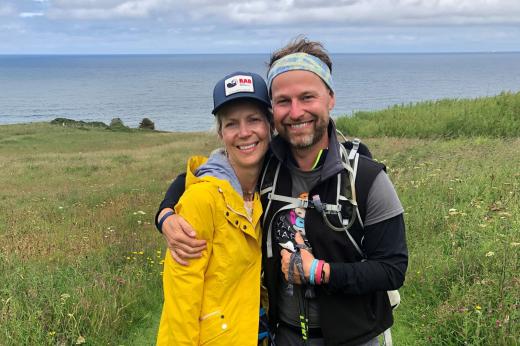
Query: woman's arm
(184,285)
(178,234)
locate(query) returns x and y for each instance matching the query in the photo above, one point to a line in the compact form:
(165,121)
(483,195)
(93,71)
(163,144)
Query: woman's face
(246,134)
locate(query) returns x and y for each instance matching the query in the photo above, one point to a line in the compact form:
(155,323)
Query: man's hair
(302,44)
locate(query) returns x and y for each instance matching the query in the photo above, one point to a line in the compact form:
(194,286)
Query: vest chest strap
(304,203)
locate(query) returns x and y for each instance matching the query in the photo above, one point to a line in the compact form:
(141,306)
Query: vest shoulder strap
(350,204)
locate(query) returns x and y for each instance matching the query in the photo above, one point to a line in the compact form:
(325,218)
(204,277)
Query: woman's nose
(244,130)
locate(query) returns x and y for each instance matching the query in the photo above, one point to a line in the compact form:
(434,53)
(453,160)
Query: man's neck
(306,157)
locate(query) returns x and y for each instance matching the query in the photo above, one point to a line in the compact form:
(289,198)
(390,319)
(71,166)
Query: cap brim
(240,96)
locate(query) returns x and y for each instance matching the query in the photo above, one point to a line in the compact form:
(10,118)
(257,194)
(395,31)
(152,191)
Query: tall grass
(462,212)
(497,116)
(80,260)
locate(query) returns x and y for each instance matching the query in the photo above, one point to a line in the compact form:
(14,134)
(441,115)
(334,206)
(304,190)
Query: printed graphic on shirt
(287,224)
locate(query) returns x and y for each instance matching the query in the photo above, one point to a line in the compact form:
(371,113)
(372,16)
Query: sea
(175,91)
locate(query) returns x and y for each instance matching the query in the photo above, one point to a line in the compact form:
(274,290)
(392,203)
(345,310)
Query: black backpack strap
(356,180)
(267,189)
(362,148)
(268,182)
(367,172)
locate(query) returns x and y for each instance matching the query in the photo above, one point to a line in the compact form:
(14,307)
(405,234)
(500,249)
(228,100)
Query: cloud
(285,12)
(358,12)
(30,14)
(225,25)
(107,9)
(6,10)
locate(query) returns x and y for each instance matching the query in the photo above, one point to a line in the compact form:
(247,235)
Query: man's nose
(296,110)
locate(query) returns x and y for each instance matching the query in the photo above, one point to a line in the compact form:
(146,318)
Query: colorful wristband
(323,273)
(319,272)
(313,271)
(163,218)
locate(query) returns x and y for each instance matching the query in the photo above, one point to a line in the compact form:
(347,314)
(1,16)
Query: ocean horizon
(175,90)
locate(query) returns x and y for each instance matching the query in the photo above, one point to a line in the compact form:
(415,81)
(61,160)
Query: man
(326,278)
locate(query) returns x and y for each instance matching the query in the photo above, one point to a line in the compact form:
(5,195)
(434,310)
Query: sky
(256,26)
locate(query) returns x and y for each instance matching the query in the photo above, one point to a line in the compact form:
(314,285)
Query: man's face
(301,105)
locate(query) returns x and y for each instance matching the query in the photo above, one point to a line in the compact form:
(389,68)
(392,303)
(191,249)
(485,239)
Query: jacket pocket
(212,326)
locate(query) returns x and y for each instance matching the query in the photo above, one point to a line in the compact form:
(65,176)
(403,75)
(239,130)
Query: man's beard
(307,141)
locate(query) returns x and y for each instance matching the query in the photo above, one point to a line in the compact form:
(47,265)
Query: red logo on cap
(246,81)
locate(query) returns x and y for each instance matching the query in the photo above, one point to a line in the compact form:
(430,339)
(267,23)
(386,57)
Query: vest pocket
(212,326)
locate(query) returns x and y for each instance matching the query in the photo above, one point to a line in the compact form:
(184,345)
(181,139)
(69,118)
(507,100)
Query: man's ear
(332,101)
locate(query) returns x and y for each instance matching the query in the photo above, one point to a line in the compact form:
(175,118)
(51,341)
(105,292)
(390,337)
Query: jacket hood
(217,171)
(218,166)
(332,165)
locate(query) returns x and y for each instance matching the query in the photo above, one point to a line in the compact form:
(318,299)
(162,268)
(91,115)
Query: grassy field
(497,116)
(462,202)
(79,256)
(80,260)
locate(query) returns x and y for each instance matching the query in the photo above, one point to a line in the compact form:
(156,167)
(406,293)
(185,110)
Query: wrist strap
(313,271)
(163,218)
(319,272)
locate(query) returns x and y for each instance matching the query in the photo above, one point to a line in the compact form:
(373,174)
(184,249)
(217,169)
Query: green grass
(462,203)
(497,116)
(79,255)
(455,166)
(80,258)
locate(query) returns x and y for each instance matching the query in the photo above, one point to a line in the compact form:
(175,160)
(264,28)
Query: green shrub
(116,124)
(147,124)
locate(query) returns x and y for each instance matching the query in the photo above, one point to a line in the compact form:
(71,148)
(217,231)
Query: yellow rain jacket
(216,299)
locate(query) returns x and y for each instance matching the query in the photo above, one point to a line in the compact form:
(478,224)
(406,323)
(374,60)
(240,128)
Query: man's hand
(307,258)
(180,238)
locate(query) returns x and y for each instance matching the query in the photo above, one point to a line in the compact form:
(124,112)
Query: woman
(216,299)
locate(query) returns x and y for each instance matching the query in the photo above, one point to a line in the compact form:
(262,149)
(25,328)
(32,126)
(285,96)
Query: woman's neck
(247,177)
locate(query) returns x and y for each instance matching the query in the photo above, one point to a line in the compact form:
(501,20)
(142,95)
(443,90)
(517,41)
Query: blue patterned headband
(300,61)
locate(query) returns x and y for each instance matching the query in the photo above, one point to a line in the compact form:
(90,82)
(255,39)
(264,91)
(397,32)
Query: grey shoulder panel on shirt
(382,201)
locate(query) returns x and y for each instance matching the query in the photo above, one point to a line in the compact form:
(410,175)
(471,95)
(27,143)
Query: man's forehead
(297,80)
